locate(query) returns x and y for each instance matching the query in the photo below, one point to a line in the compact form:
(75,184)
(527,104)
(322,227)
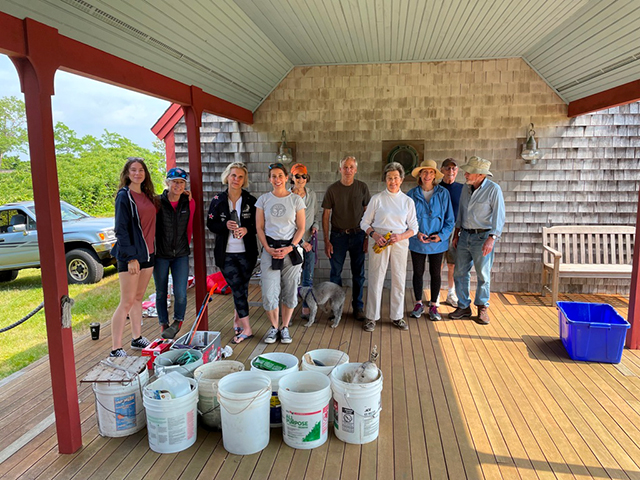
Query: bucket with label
(305,399)
(207,377)
(356,407)
(119,408)
(244,412)
(289,364)
(183,361)
(172,420)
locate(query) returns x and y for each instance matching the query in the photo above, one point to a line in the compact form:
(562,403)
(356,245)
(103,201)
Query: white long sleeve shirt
(390,212)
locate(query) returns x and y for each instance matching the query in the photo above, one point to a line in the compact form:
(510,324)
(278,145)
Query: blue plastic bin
(592,332)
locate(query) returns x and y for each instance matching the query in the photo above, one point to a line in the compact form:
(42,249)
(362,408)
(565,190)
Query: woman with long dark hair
(135,223)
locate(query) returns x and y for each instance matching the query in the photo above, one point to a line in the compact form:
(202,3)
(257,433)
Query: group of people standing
(437,219)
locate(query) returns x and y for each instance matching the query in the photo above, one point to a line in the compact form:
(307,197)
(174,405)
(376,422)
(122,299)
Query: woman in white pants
(390,214)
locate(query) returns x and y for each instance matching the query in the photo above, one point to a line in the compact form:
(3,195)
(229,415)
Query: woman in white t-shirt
(280,220)
(391,214)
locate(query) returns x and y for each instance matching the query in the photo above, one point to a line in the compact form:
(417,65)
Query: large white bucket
(172,422)
(305,398)
(291,361)
(356,407)
(329,357)
(119,408)
(244,411)
(207,377)
(166,362)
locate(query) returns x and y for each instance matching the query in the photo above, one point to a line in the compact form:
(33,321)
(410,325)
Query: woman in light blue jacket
(436,222)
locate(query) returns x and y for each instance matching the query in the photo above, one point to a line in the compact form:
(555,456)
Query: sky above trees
(90,107)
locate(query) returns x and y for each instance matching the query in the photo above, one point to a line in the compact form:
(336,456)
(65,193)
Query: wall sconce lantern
(285,155)
(530,153)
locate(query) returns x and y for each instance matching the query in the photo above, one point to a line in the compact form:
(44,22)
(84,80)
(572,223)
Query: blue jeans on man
(180,274)
(307,271)
(352,243)
(470,255)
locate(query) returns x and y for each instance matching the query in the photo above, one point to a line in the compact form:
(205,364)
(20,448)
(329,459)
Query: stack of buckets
(299,401)
(171,403)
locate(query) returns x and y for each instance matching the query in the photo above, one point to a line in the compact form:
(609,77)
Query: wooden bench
(585,251)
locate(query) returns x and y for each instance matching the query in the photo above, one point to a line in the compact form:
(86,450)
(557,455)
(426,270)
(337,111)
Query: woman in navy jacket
(232,217)
(135,223)
(436,222)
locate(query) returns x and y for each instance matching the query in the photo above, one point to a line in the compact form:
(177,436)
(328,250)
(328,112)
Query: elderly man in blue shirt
(478,225)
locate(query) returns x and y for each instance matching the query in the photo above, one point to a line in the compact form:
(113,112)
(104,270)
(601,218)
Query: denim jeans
(470,254)
(352,243)
(180,274)
(307,271)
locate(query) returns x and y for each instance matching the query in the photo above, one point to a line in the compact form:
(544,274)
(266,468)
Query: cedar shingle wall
(589,174)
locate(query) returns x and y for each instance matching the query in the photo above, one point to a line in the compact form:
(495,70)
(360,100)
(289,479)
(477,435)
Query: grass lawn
(28,342)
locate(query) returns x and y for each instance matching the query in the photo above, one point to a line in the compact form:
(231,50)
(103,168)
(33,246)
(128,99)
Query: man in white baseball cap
(479,224)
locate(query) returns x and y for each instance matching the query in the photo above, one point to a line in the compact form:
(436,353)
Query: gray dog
(328,294)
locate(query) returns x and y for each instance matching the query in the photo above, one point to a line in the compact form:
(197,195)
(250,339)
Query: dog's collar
(304,300)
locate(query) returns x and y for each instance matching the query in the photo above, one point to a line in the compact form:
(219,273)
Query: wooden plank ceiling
(240,50)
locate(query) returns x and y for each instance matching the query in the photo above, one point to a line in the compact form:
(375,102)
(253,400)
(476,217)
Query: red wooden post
(633,317)
(193,120)
(36,73)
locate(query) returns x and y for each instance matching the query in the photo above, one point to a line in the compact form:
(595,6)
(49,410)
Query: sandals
(242,338)
(401,324)
(369,326)
(238,330)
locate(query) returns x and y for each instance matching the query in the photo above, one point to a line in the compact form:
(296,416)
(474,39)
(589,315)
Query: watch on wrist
(371,233)
(494,236)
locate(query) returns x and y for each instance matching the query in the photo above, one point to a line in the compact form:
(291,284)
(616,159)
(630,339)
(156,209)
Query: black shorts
(123,267)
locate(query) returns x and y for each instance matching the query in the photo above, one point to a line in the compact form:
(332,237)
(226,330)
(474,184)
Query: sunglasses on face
(298,176)
(276,165)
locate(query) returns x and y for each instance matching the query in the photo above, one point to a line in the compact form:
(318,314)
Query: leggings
(435,264)
(237,272)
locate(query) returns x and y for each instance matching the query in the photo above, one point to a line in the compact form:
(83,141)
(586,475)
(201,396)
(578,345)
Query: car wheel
(83,266)
(8,275)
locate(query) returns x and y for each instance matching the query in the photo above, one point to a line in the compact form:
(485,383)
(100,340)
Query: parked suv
(87,242)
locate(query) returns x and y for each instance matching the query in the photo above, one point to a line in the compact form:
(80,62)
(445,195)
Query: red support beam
(193,120)
(36,73)
(627,93)
(12,36)
(633,316)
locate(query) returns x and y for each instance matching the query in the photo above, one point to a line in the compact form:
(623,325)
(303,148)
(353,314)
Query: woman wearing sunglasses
(299,181)
(232,217)
(174,227)
(280,225)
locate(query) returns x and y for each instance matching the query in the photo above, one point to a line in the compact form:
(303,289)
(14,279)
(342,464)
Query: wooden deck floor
(459,401)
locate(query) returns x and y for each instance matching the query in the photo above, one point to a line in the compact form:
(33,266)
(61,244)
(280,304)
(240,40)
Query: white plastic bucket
(172,422)
(165,362)
(291,361)
(207,377)
(305,398)
(329,357)
(244,411)
(119,408)
(356,407)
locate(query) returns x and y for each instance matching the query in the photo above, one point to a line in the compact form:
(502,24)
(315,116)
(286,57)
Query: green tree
(13,126)
(88,170)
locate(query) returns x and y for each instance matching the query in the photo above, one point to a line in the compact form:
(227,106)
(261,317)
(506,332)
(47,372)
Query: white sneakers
(452,298)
